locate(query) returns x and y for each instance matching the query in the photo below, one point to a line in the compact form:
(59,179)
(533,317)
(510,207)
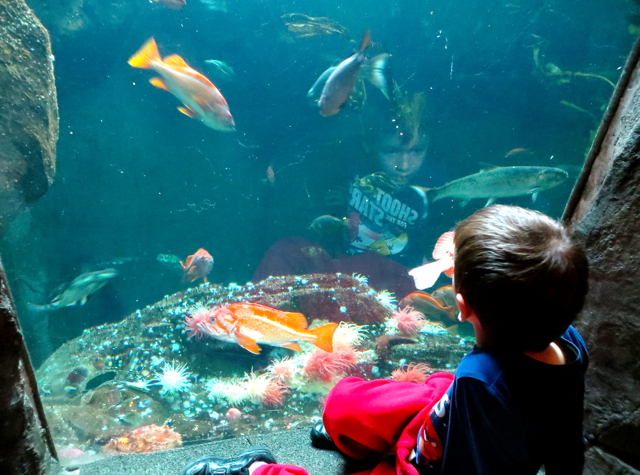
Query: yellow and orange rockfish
(202,100)
(248,324)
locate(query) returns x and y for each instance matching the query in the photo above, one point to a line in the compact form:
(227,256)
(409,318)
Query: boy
(516,401)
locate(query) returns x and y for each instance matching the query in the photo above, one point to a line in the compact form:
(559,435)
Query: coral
(174,378)
(412,372)
(194,320)
(326,367)
(407,321)
(348,334)
(145,439)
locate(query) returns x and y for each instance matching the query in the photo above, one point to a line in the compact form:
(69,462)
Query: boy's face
(400,160)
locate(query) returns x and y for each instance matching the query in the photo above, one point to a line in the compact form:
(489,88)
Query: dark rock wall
(607,216)
(28,109)
(25,443)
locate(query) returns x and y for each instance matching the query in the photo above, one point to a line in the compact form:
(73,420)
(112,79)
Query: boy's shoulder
(489,367)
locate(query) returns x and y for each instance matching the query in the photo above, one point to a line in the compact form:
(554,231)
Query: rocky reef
(145,370)
(28,110)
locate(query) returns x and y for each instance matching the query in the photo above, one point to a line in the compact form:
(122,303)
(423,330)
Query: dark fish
(340,83)
(78,290)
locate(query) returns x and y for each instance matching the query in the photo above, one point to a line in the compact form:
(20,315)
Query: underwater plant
(348,334)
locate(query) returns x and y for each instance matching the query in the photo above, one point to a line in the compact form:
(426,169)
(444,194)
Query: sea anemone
(407,321)
(387,299)
(326,367)
(263,389)
(348,334)
(412,373)
(174,378)
(217,389)
(283,370)
(197,316)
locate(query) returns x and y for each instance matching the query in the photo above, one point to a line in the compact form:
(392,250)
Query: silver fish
(78,290)
(340,83)
(501,182)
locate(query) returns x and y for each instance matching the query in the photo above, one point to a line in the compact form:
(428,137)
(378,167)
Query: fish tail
(426,275)
(324,336)
(375,73)
(366,40)
(145,55)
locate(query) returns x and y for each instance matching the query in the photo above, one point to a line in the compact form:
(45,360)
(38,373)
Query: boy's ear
(465,310)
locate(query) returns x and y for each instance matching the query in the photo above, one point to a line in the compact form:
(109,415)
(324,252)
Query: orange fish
(201,99)
(430,306)
(445,295)
(425,276)
(248,324)
(197,266)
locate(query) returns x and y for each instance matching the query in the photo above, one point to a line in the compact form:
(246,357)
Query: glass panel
(377,156)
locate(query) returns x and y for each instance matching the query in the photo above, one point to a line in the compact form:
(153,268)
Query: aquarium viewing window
(211,272)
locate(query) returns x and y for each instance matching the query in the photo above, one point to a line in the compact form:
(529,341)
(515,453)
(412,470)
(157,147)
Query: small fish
(501,182)
(317,87)
(519,152)
(202,100)
(426,275)
(340,82)
(303,26)
(78,291)
(271,175)
(248,324)
(171,4)
(197,266)
(224,71)
(431,307)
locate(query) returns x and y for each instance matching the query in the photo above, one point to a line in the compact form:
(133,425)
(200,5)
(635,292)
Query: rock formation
(28,110)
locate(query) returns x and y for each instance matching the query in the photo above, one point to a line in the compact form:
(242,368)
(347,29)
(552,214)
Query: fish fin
(534,195)
(453,330)
(205,279)
(247,343)
(444,246)
(366,40)
(83,300)
(375,73)
(452,313)
(427,275)
(175,60)
(157,82)
(292,346)
(296,319)
(449,272)
(189,112)
(490,201)
(145,55)
(324,336)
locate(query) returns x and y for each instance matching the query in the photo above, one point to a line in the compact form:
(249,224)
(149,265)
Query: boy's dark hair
(521,273)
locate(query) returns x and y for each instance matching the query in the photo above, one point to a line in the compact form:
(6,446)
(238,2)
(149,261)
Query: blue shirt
(510,415)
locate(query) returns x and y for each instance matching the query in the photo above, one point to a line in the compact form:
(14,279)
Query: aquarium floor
(291,447)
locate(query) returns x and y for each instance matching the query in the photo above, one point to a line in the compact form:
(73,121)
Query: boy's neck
(552,354)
